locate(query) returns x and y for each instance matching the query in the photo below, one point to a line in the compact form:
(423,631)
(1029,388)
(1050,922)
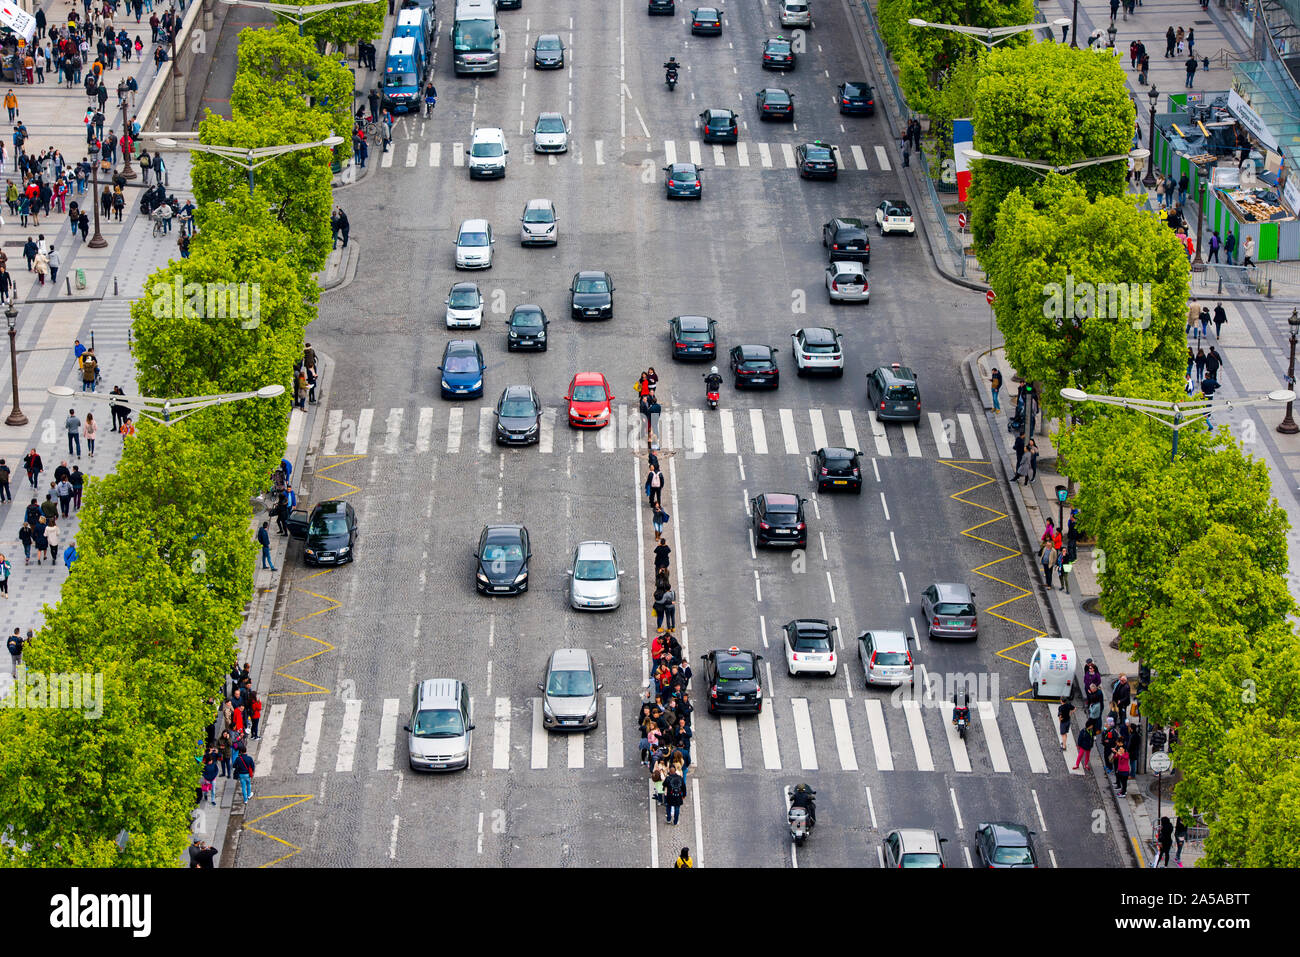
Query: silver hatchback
(949,610)
(569,691)
(885,657)
(593,579)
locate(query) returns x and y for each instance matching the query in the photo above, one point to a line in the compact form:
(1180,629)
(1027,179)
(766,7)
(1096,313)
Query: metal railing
(1238,280)
(956,250)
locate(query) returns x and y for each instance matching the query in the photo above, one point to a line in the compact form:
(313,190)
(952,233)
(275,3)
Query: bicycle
(374,131)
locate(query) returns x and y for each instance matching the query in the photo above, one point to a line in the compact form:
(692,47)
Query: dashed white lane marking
(387,735)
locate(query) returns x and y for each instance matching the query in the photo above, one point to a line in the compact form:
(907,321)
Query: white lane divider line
(387,735)
(843,736)
(989,725)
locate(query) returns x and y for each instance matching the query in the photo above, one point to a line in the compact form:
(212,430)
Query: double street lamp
(248,159)
(1043,168)
(1177,415)
(167,411)
(299,14)
(988,36)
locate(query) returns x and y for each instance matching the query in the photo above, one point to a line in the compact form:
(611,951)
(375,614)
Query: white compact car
(539,226)
(895,216)
(474,245)
(810,647)
(551,134)
(464,306)
(487,153)
(818,349)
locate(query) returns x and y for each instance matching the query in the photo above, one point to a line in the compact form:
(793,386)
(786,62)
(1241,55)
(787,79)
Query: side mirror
(471,727)
(622,571)
(540,687)
(599,686)
(759,657)
(440,368)
(406,728)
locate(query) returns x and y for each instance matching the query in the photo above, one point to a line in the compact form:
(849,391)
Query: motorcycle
(800,819)
(960,712)
(711,391)
(670,77)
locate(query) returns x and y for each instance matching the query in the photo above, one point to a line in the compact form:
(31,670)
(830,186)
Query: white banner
(18,20)
(1291,192)
(1250,119)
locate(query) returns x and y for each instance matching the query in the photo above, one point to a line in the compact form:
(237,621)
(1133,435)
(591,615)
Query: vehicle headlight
(481,577)
(541,335)
(310,552)
(532,428)
(591,712)
(521,578)
(477,382)
(514,335)
(345,549)
(546,709)
(604,414)
(550,228)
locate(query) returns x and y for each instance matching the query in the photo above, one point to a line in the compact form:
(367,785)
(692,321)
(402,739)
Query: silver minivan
(569,688)
(885,658)
(438,735)
(796,13)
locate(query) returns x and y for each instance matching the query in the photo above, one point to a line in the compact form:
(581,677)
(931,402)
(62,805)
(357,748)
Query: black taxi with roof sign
(731,675)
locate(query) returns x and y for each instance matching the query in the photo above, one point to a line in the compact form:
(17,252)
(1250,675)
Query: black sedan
(1003,844)
(548,52)
(330,533)
(706,22)
(778,519)
(856,97)
(775,103)
(501,560)
(662,7)
(838,469)
(683,179)
(720,126)
(527,328)
(591,295)
(519,416)
(754,366)
(731,675)
(778,54)
(816,160)
(693,337)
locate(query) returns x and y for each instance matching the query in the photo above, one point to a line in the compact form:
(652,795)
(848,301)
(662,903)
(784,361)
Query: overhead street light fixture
(984,35)
(299,14)
(1059,168)
(167,411)
(248,159)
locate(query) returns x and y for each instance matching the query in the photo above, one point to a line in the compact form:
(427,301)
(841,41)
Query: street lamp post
(246,158)
(1074,29)
(1149,179)
(16,416)
(128,172)
(297,13)
(1177,415)
(1200,218)
(982,35)
(1288,426)
(1043,168)
(97,241)
(167,411)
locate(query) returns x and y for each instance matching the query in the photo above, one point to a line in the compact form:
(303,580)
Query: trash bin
(81,279)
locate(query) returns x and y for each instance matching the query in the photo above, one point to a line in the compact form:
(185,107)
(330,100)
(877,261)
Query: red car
(589,401)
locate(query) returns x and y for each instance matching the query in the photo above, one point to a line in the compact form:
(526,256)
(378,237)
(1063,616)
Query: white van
(438,735)
(487,153)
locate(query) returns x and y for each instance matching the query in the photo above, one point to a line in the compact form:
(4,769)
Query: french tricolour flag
(963,139)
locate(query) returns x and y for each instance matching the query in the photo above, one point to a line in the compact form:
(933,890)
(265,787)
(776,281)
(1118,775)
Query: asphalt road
(425,476)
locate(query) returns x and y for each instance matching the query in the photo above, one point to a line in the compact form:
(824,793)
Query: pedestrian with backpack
(15,645)
(5,494)
(1085,748)
(244,768)
(674,795)
(211,767)
(660,516)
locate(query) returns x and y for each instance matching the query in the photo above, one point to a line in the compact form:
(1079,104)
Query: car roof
(550,115)
(462,345)
(780,498)
(756,352)
(811,626)
(693,323)
(834,452)
(702,10)
(721,112)
(888,640)
(517,392)
(474,226)
(1007,833)
(847,265)
(898,374)
(463,286)
(592,274)
(570,659)
(723,653)
(548,36)
(819,335)
(589,378)
(489,133)
(439,692)
(686,168)
(917,840)
(952,591)
(595,550)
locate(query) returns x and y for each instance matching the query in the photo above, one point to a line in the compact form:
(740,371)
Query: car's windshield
(591,285)
(473,239)
(1012,855)
(812,643)
(528,319)
(464,298)
(395,80)
(819,347)
(594,570)
(735,669)
(503,552)
(460,364)
(902,392)
(333,524)
(539,215)
(570,684)
(921,860)
(438,724)
(487,149)
(588,393)
(548,43)
(818,153)
(954,609)
(683,174)
(470,35)
(891,658)
(550,124)
(517,408)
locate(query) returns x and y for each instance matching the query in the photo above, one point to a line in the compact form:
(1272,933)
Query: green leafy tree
(296,185)
(280,67)
(1088,293)
(925,55)
(956,97)
(1053,104)
(349,25)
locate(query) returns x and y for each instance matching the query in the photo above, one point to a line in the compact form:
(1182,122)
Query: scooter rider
(670,68)
(805,797)
(712,380)
(960,709)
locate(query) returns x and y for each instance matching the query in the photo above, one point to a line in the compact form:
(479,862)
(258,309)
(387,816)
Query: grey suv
(438,735)
(569,690)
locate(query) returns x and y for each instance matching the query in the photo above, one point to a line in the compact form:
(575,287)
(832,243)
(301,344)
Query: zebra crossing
(457,428)
(745,155)
(840,734)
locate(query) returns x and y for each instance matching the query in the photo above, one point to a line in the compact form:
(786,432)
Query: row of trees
(1092,293)
(166,559)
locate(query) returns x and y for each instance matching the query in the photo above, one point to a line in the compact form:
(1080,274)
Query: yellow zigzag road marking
(297,799)
(333,602)
(979,570)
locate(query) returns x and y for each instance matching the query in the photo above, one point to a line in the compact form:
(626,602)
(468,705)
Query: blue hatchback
(462,370)
(683,179)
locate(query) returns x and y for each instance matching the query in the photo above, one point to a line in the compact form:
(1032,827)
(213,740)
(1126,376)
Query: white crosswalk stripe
(940,435)
(546,443)
(698,445)
(760,433)
(730,742)
(539,742)
(882,159)
(1025,724)
(728,423)
(787,153)
(311,738)
(742,154)
(424,430)
(859,157)
(767,736)
(879,736)
(486,424)
(576,752)
(850,433)
(613,730)
(332,426)
(818,428)
(457,154)
(843,736)
(879,435)
(765,155)
(362,444)
(913,443)
(386,160)
(803,733)
(392,441)
(265,756)
(435,154)
(788,433)
(695,152)
(719,157)
(916,729)
(412,154)
(454,425)
(670,152)
(348,735)
(968,435)
(992,737)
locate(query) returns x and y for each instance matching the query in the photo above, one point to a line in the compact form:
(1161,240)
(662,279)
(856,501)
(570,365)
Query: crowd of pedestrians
(225,752)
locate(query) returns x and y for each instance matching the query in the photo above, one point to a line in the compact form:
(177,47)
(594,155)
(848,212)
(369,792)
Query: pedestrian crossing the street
(743,155)
(352,736)
(472,428)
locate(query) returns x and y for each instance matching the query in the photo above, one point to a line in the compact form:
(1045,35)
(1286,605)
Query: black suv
(838,468)
(753,366)
(847,239)
(816,160)
(731,675)
(856,97)
(693,337)
(778,519)
(665,7)
(892,393)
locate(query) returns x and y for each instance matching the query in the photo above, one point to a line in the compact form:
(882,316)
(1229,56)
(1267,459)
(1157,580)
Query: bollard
(1269,294)
(115,285)
(92,339)
(1220,284)
(68,282)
